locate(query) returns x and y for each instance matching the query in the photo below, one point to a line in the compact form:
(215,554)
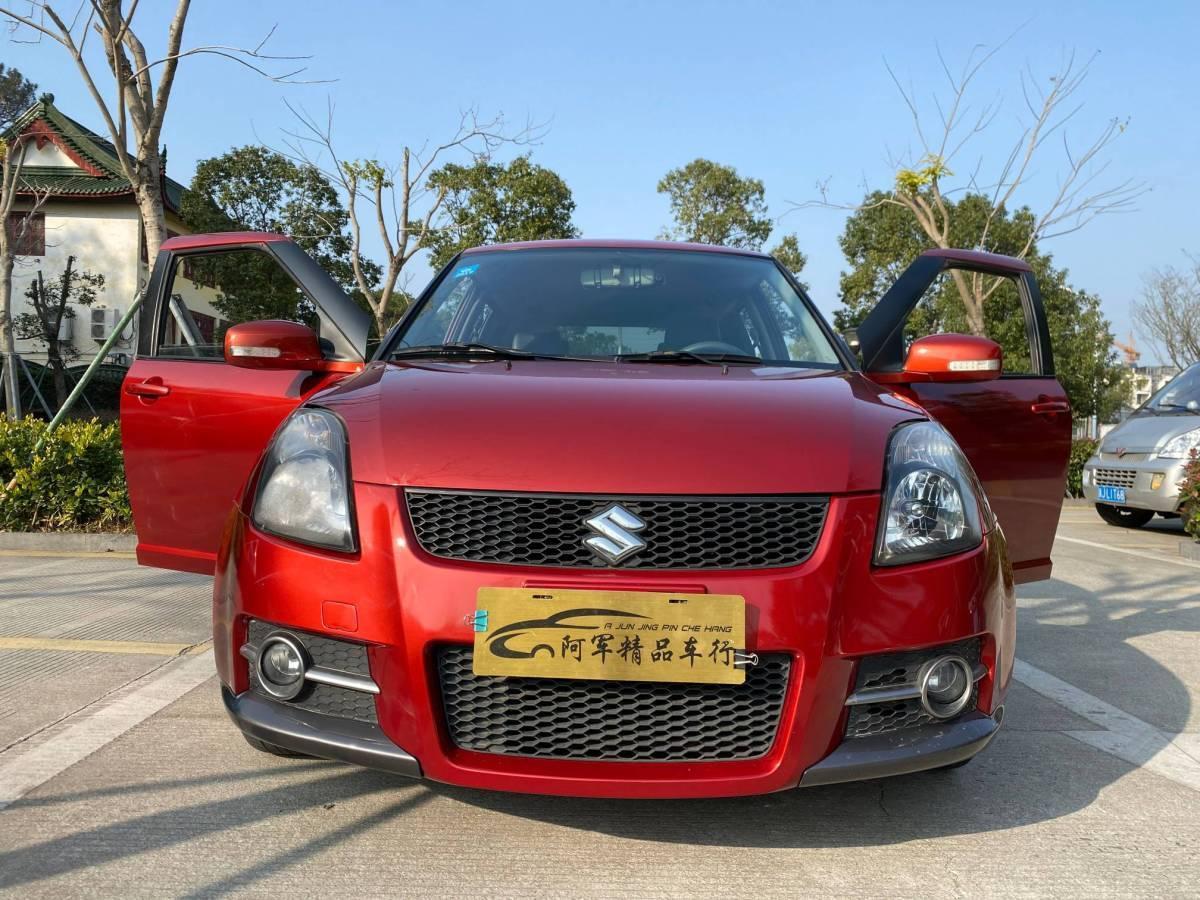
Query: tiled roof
(85,143)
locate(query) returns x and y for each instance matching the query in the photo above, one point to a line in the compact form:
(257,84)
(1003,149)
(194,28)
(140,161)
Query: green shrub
(1189,496)
(1082,450)
(76,482)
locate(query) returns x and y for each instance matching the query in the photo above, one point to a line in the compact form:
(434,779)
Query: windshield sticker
(464,271)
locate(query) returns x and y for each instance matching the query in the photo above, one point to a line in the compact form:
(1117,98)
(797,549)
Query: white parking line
(46,754)
(1124,736)
(1140,554)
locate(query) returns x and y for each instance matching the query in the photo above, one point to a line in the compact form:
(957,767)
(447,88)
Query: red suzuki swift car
(596,518)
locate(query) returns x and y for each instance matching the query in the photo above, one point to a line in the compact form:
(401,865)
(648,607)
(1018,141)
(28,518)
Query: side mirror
(953,357)
(273,344)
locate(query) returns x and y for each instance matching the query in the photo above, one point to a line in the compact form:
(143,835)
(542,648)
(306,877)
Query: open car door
(1015,429)
(193,427)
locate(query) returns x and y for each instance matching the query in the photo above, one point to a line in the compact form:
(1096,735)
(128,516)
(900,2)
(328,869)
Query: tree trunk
(972,304)
(147,191)
(8,344)
(57,370)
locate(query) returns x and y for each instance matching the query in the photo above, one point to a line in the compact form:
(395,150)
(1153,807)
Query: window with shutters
(27,231)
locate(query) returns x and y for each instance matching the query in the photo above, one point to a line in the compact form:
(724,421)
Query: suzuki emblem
(614,539)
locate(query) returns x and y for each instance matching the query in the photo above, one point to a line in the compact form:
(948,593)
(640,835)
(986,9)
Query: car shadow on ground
(180,824)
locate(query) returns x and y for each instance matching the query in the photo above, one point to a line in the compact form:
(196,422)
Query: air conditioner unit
(104,322)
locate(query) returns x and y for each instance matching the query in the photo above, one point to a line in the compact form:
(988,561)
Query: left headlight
(1181,447)
(304,489)
(933,504)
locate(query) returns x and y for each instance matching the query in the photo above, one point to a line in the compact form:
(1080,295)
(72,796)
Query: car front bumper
(880,756)
(1137,475)
(826,614)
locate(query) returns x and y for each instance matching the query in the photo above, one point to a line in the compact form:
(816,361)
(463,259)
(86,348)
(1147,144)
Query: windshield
(598,303)
(1181,394)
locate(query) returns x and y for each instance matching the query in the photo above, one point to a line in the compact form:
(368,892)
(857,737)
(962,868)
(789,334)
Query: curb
(1189,549)
(68,542)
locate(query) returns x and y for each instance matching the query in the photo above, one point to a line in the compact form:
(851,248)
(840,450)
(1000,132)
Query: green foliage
(791,257)
(16,95)
(75,482)
(928,171)
(1082,449)
(882,238)
(1189,496)
(253,188)
(367,172)
(712,204)
(491,203)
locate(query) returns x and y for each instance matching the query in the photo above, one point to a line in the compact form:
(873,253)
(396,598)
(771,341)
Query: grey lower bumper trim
(901,752)
(327,737)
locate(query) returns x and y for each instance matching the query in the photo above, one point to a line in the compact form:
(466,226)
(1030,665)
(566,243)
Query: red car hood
(610,428)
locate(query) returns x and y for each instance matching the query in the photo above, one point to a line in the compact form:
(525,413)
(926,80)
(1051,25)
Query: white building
(1145,381)
(90,214)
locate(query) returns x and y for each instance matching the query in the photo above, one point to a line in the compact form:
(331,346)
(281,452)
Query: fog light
(946,685)
(1156,481)
(281,666)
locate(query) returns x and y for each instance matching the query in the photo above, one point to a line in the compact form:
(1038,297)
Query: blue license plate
(1110,494)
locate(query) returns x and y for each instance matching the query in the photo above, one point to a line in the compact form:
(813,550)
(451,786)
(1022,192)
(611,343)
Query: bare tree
(394,201)
(13,230)
(1169,314)
(138,105)
(924,186)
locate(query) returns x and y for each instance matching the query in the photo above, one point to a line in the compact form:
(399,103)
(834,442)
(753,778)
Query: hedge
(76,482)
(1189,496)
(1081,451)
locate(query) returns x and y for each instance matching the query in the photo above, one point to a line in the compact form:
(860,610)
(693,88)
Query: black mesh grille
(680,532)
(876,718)
(894,670)
(328,653)
(558,718)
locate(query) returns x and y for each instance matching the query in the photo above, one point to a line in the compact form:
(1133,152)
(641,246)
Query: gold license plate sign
(610,635)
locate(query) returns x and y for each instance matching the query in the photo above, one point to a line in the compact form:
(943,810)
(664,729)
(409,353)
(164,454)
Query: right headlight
(933,504)
(304,488)
(1181,446)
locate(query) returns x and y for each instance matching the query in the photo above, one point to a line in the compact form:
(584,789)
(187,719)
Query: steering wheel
(712,347)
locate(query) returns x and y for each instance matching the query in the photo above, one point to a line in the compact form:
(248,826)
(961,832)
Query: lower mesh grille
(342,656)
(559,718)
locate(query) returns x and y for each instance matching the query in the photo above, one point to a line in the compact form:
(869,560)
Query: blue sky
(791,93)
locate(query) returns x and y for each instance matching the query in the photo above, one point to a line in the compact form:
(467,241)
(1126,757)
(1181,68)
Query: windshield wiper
(689,356)
(1183,406)
(460,350)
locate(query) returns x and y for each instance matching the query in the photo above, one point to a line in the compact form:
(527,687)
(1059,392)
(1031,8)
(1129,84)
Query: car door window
(208,292)
(941,310)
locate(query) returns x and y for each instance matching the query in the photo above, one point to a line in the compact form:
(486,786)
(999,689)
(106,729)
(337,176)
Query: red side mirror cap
(953,357)
(273,344)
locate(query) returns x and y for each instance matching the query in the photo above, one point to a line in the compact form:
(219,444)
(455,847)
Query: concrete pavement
(1092,787)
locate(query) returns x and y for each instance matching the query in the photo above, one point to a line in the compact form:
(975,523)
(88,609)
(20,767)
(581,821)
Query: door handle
(147,389)
(1051,407)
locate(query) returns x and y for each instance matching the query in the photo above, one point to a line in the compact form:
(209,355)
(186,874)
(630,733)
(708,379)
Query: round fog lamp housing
(946,686)
(281,665)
